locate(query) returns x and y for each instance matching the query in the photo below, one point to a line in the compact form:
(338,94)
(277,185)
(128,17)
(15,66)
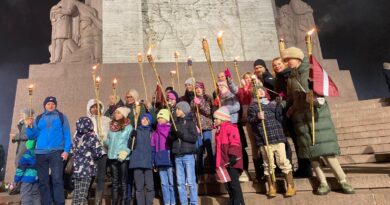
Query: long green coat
(326,140)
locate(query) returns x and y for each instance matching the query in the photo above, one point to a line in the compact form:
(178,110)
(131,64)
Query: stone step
(359,103)
(379,126)
(384,112)
(366,149)
(352,122)
(365,141)
(364,134)
(363,158)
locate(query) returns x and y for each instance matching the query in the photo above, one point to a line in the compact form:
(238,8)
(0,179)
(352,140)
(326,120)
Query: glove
(134,133)
(232,160)
(179,135)
(122,155)
(227,73)
(196,100)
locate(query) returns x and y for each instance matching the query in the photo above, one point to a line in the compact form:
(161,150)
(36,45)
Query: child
(184,148)
(228,153)
(86,149)
(161,145)
(272,117)
(118,153)
(141,161)
(204,104)
(26,174)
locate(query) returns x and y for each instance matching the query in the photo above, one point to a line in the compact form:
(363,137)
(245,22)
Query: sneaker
(244,176)
(347,188)
(323,189)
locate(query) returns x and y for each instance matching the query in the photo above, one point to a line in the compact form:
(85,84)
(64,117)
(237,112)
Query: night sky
(356,32)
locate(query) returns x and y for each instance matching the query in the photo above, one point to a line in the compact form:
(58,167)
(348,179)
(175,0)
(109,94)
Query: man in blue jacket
(53,142)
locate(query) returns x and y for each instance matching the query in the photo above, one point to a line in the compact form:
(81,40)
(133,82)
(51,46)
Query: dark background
(356,32)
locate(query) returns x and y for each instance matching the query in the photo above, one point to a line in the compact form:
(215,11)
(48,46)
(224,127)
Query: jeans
(144,182)
(205,144)
(29,194)
(166,177)
(185,173)
(52,161)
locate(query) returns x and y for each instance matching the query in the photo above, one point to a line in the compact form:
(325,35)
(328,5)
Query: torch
(177,55)
(220,45)
(189,64)
(237,70)
(154,67)
(137,111)
(114,84)
(94,68)
(141,66)
(173,73)
(206,50)
(282,46)
(311,93)
(97,93)
(30,95)
(270,159)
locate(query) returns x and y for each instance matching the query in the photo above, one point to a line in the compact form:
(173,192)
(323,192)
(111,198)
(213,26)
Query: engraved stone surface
(173,25)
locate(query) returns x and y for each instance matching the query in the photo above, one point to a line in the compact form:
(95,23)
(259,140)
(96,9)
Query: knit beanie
(124,111)
(223,114)
(199,85)
(293,52)
(50,99)
(172,96)
(184,106)
(190,81)
(163,113)
(259,62)
(148,117)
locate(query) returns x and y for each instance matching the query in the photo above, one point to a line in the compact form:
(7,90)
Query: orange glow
(220,34)
(311,31)
(173,72)
(177,54)
(150,51)
(115,81)
(139,57)
(95,67)
(236,58)
(31,86)
(98,79)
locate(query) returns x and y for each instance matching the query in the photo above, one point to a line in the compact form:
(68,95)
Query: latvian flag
(322,84)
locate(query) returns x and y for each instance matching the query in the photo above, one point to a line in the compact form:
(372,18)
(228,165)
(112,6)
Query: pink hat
(171,96)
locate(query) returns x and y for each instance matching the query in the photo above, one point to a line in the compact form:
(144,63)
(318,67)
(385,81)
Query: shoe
(244,176)
(271,193)
(347,188)
(15,190)
(323,189)
(290,185)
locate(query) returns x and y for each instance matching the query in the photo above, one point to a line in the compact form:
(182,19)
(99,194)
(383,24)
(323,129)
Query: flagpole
(310,53)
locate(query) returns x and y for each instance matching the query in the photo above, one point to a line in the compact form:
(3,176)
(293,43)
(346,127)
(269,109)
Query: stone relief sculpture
(294,20)
(76,33)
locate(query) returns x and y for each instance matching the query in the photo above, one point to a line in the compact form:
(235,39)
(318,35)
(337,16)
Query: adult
(53,142)
(298,105)
(92,113)
(386,73)
(189,93)
(261,71)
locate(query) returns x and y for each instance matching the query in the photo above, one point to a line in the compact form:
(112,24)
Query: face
(261,93)
(247,79)
(23,116)
(118,115)
(223,89)
(259,70)
(199,91)
(221,76)
(50,106)
(217,122)
(161,121)
(179,113)
(172,102)
(144,121)
(189,87)
(293,63)
(93,110)
(278,66)
(130,99)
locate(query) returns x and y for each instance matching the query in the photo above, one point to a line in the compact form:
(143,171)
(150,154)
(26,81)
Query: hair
(246,73)
(121,122)
(273,60)
(133,93)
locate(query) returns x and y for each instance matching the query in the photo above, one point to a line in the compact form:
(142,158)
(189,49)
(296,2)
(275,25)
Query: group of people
(145,145)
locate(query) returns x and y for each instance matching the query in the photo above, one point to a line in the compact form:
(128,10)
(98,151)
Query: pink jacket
(227,140)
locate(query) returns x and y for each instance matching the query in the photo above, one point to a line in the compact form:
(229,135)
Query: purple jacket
(161,133)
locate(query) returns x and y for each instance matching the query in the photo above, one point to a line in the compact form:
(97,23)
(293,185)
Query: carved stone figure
(294,21)
(83,41)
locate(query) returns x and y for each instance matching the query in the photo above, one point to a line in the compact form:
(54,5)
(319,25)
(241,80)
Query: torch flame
(95,66)
(311,31)
(98,79)
(281,40)
(236,58)
(115,81)
(254,77)
(220,33)
(31,86)
(150,51)
(177,54)
(173,72)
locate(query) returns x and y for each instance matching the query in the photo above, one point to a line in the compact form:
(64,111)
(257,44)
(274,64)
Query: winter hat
(148,117)
(259,62)
(124,111)
(26,111)
(30,144)
(199,85)
(171,96)
(163,113)
(133,93)
(223,114)
(84,125)
(50,99)
(189,81)
(293,52)
(184,106)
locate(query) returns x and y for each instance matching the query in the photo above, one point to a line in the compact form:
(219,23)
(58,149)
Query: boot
(290,185)
(271,187)
(244,176)
(98,198)
(323,189)
(259,170)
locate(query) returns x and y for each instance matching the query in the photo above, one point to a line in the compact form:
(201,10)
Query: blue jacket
(117,142)
(26,172)
(51,135)
(141,157)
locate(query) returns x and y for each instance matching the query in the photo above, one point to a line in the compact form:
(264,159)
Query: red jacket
(227,142)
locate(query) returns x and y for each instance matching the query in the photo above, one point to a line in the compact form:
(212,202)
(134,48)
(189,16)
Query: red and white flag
(322,83)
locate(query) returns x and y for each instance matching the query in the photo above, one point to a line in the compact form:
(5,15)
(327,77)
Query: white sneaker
(244,176)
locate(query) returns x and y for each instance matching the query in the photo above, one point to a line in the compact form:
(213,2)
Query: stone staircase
(363,129)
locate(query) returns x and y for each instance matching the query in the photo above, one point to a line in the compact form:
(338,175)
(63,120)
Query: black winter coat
(186,143)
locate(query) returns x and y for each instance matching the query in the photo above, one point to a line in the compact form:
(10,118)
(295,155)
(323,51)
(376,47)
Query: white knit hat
(123,110)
